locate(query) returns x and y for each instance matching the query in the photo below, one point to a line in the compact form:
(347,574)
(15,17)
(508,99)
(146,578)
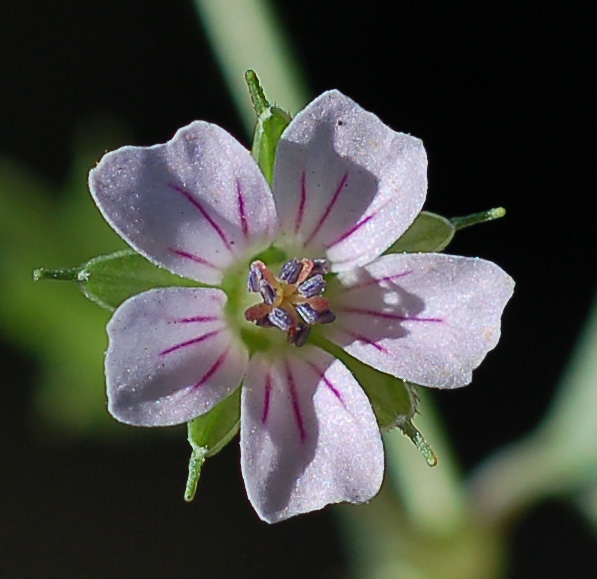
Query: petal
(193,205)
(426,318)
(171,357)
(346,184)
(308,435)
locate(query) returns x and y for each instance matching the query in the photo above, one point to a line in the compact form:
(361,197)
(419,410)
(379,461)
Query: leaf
(108,280)
(428,233)
(208,434)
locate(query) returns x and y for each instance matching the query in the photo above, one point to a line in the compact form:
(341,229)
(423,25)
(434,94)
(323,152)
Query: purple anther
(267,292)
(291,270)
(281,319)
(320,265)
(314,286)
(254,279)
(326,317)
(307,313)
(301,335)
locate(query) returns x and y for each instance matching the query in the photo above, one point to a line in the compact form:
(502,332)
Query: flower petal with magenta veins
(171,356)
(346,185)
(426,318)
(308,435)
(192,205)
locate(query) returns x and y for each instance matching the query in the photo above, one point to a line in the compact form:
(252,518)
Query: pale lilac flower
(345,188)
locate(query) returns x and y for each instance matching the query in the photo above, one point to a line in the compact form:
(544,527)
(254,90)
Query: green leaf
(271,122)
(428,233)
(108,280)
(208,434)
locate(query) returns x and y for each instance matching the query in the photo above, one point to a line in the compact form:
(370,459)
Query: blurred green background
(497,92)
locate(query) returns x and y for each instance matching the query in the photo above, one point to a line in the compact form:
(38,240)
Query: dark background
(498,93)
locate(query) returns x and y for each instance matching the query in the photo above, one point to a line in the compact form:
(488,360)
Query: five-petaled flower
(345,188)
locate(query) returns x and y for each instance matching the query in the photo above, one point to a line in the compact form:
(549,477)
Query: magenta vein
(192,257)
(195,202)
(266,399)
(241,210)
(192,342)
(323,377)
(365,339)
(389,316)
(328,209)
(352,230)
(296,407)
(215,367)
(301,209)
(196,319)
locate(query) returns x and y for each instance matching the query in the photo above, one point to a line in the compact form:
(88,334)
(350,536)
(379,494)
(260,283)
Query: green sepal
(394,401)
(108,280)
(428,233)
(271,122)
(208,434)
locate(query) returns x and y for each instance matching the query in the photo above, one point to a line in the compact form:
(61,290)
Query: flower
(345,188)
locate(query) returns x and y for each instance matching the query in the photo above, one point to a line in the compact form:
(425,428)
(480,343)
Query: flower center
(292,302)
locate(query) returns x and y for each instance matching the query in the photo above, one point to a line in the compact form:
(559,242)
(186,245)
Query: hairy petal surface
(192,205)
(426,318)
(171,356)
(308,435)
(346,185)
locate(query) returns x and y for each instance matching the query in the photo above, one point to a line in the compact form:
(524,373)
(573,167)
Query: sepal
(271,122)
(210,433)
(108,280)
(394,401)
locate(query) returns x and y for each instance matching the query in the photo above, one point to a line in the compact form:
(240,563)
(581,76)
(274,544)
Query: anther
(307,313)
(298,336)
(281,319)
(254,279)
(320,265)
(314,286)
(290,271)
(267,292)
(326,317)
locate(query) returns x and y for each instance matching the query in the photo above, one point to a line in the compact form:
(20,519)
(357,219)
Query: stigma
(293,302)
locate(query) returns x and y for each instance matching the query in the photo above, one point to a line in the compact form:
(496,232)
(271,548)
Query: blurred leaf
(42,225)
(428,233)
(208,434)
(108,280)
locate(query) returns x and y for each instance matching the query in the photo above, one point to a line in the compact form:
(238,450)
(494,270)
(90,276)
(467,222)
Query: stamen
(326,317)
(281,319)
(267,292)
(320,265)
(307,313)
(314,286)
(254,278)
(298,336)
(292,302)
(290,271)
